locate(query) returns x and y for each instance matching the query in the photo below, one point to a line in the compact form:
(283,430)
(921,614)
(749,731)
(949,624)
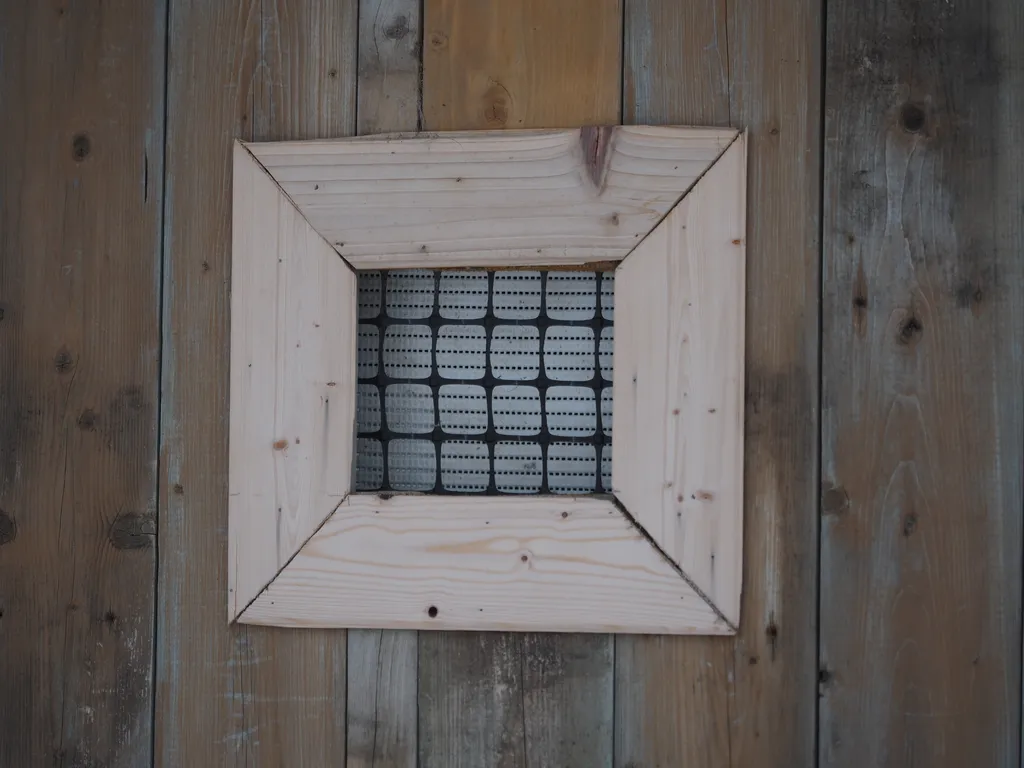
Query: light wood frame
(662,554)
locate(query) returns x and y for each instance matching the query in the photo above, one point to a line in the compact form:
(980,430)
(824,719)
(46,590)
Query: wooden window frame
(663,553)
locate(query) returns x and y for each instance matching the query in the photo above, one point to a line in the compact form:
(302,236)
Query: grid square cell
(410,294)
(462,409)
(465,466)
(409,408)
(569,353)
(463,295)
(571,467)
(462,352)
(571,295)
(517,295)
(515,352)
(518,467)
(412,465)
(571,411)
(408,351)
(516,409)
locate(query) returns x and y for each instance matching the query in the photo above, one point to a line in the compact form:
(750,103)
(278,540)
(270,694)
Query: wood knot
(912,118)
(910,331)
(87,420)
(438,41)
(63,361)
(397,29)
(81,146)
(497,105)
(835,500)
(8,528)
(280,445)
(132,531)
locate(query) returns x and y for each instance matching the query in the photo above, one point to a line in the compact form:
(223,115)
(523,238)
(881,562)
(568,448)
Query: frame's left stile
(292,385)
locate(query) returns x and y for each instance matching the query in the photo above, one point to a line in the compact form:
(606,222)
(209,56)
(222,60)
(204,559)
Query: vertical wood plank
(388,88)
(382,664)
(923,411)
(80,216)
(521,64)
(495,699)
(232,695)
(755,693)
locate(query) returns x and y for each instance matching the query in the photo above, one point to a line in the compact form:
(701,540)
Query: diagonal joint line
(288,562)
(675,566)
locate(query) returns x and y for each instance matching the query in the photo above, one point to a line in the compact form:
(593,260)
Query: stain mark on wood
(595,141)
(8,528)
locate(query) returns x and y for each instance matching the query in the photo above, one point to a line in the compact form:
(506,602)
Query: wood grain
(293,396)
(383,731)
(923,411)
(232,695)
(756,693)
(382,666)
(462,669)
(491,197)
(548,701)
(388,90)
(561,564)
(678,422)
(521,64)
(80,218)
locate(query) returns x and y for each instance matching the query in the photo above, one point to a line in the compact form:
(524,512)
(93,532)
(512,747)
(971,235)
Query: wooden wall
(881,616)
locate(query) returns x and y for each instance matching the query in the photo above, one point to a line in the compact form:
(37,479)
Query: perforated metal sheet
(485,382)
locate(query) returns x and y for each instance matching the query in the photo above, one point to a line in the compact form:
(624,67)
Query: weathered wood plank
(523,64)
(488,65)
(388,89)
(80,216)
(382,664)
(232,695)
(923,410)
(755,693)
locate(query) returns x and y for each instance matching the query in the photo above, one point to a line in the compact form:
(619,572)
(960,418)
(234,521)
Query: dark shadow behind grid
(484,382)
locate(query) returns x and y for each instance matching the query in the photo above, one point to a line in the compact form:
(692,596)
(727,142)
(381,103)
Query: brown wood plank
(923,411)
(521,64)
(80,215)
(748,700)
(492,699)
(382,664)
(232,695)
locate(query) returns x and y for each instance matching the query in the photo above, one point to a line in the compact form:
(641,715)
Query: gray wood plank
(232,695)
(382,717)
(748,700)
(503,699)
(922,367)
(390,42)
(81,89)
(382,665)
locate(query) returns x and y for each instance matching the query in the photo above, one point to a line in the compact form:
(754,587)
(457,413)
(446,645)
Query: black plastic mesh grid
(485,382)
